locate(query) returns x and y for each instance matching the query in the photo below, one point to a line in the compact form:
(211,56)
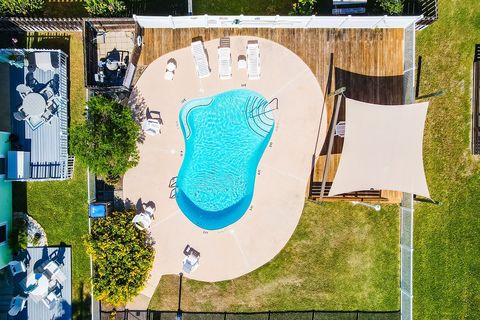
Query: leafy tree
(105,8)
(390,7)
(107,141)
(122,256)
(303,8)
(21,7)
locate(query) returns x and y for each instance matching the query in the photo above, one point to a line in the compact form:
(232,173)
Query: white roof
(382,149)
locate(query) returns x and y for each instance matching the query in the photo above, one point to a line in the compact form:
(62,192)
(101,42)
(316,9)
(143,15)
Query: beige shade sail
(382,149)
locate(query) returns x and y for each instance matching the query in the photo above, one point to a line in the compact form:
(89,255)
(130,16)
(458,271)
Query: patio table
(39,282)
(34,104)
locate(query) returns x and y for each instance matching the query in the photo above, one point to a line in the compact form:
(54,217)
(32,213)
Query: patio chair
(340,129)
(51,300)
(253,60)
(50,269)
(23,90)
(16,305)
(19,115)
(190,263)
(224,63)
(30,80)
(169,75)
(242,62)
(151,127)
(142,221)
(200,58)
(150,210)
(17,267)
(47,93)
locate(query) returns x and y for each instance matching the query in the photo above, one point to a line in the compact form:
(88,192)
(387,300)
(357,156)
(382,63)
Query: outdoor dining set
(43,285)
(38,99)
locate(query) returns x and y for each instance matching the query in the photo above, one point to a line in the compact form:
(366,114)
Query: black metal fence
(427,8)
(476,102)
(269,315)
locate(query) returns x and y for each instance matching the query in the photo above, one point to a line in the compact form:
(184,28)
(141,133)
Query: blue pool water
(225,137)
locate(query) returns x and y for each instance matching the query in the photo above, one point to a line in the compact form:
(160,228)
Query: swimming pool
(225,137)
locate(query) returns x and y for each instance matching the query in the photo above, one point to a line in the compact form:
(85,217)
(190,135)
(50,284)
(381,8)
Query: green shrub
(105,8)
(122,256)
(18,239)
(390,7)
(303,8)
(107,141)
(21,7)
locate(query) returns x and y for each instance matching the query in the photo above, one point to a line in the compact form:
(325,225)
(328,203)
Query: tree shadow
(139,108)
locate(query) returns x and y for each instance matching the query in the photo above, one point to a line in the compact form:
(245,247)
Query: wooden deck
(369,62)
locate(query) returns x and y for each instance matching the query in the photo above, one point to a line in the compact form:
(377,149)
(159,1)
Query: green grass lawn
(340,257)
(447,236)
(61,206)
(247,7)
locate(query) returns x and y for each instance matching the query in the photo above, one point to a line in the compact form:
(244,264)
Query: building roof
(382,149)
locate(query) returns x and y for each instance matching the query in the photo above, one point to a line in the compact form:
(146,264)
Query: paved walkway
(283,170)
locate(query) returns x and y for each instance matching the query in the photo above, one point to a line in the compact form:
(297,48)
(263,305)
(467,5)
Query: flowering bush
(122,256)
(105,8)
(303,8)
(21,7)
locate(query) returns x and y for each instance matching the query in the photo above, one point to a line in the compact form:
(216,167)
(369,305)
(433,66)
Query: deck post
(338,93)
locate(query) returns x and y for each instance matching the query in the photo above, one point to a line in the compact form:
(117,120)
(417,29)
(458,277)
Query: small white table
(34,104)
(171,66)
(40,283)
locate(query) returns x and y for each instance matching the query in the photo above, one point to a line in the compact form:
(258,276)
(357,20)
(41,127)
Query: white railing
(242,21)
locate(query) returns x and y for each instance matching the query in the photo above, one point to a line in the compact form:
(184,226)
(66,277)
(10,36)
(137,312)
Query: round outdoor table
(34,104)
(39,282)
(112,65)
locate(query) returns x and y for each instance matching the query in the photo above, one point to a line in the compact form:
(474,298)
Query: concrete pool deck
(282,174)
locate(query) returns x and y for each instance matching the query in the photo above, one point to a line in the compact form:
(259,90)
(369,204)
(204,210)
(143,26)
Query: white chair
(50,269)
(151,127)
(16,305)
(17,267)
(149,210)
(190,263)
(142,221)
(340,129)
(200,59)
(169,75)
(253,60)
(23,90)
(50,300)
(224,63)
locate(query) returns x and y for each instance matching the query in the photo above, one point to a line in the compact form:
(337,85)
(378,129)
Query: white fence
(241,21)
(406,257)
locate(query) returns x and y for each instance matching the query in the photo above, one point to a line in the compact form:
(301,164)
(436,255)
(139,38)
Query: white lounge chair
(253,60)
(142,221)
(43,60)
(150,211)
(169,75)
(200,59)
(16,305)
(17,267)
(224,63)
(151,127)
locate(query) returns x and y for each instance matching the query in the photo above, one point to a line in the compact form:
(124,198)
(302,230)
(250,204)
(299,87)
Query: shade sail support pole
(339,94)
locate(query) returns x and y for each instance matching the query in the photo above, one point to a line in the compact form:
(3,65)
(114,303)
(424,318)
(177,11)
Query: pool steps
(259,116)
